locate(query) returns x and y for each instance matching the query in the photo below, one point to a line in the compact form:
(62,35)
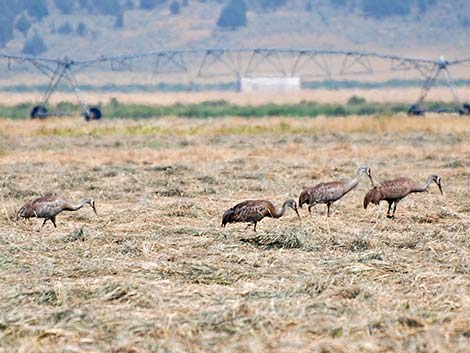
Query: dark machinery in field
(238,63)
(440,68)
(63,71)
(56,70)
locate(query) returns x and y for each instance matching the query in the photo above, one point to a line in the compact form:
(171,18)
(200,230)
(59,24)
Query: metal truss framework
(237,63)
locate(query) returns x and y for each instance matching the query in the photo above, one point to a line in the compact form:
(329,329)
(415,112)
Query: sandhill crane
(48,207)
(253,211)
(393,191)
(330,192)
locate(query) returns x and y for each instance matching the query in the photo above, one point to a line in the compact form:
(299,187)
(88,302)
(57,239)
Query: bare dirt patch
(156,272)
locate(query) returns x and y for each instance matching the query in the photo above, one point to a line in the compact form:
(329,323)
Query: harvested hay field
(155,272)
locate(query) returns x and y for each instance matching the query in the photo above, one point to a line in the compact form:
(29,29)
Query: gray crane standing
(328,193)
(253,211)
(48,207)
(393,191)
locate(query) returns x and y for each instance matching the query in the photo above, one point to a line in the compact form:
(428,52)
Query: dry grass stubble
(155,272)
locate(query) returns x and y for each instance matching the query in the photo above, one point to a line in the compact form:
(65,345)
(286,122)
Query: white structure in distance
(270,84)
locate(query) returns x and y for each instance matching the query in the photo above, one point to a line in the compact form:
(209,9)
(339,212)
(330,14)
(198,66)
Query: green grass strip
(221,108)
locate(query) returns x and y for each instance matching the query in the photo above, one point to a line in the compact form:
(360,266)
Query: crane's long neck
(71,207)
(424,187)
(353,183)
(278,213)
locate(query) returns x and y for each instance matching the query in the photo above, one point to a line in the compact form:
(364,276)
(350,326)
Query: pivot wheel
(415,110)
(465,110)
(38,112)
(93,114)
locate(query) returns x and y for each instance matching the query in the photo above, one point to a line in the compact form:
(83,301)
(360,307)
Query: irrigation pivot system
(233,64)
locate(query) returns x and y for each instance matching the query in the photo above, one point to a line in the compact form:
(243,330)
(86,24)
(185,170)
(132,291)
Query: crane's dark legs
(394,209)
(51,219)
(328,212)
(53,222)
(390,203)
(255,227)
(310,205)
(389,208)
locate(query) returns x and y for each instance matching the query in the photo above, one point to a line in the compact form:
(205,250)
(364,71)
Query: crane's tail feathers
(366,201)
(304,198)
(227,217)
(373,196)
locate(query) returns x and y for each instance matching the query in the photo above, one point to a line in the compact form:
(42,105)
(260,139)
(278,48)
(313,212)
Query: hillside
(89,28)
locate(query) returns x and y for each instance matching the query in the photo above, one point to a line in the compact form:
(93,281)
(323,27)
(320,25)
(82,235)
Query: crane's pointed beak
(296,211)
(440,188)
(373,183)
(94,207)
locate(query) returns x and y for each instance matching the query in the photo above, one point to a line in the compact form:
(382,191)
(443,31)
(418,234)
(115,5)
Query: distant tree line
(381,9)
(233,14)
(21,15)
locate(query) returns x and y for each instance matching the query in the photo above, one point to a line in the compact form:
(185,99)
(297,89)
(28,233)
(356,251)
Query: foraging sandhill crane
(48,207)
(330,192)
(393,191)
(253,211)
